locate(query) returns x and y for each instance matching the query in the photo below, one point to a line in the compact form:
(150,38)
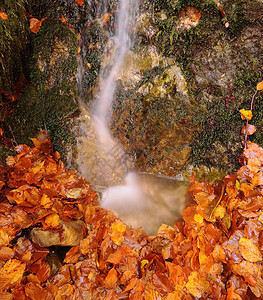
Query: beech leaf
(246,114)
(260,86)
(249,250)
(3,15)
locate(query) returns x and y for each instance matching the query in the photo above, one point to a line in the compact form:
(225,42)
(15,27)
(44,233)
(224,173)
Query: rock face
(178,93)
(151,91)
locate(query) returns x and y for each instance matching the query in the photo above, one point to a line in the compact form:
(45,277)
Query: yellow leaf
(249,250)
(194,285)
(260,86)
(52,220)
(260,218)
(198,218)
(220,211)
(246,114)
(45,201)
(144,262)
(4,238)
(13,270)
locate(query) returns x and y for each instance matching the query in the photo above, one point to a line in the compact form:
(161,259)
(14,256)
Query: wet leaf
(111,278)
(248,129)
(80,2)
(249,250)
(35,24)
(12,270)
(3,15)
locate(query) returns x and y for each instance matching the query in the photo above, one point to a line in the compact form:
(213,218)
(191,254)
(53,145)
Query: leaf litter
(214,253)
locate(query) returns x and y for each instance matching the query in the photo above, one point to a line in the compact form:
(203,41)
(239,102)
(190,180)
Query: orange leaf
(195,17)
(3,15)
(105,18)
(249,250)
(52,220)
(260,86)
(111,278)
(62,19)
(246,114)
(80,2)
(35,24)
(248,129)
(12,270)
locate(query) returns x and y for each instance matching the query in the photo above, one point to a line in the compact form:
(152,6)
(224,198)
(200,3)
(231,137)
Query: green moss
(51,97)
(13,43)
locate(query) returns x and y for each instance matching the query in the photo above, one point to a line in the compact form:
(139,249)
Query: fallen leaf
(52,220)
(12,270)
(80,2)
(249,250)
(3,15)
(105,18)
(111,277)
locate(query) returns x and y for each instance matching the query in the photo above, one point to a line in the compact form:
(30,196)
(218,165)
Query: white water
(122,43)
(116,197)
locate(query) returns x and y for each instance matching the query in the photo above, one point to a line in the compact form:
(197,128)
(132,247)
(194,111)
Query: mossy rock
(51,98)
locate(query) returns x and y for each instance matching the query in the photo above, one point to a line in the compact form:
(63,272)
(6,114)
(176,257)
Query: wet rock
(71,235)
(151,101)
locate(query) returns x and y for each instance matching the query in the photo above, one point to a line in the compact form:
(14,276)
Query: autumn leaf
(260,86)
(12,270)
(35,24)
(248,129)
(246,114)
(105,18)
(111,278)
(249,250)
(52,220)
(62,19)
(3,15)
(80,2)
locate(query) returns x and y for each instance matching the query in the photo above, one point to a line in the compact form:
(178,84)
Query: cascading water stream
(116,197)
(145,200)
(122,44)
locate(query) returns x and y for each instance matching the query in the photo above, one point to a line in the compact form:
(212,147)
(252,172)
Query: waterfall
(117,197)
(122,43)
(144,200)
